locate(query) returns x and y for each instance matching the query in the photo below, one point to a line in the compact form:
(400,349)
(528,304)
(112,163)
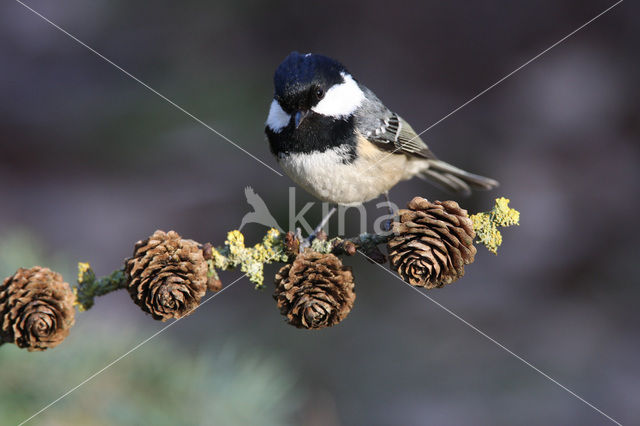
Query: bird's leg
(386,197)
(323,222)
(387,224)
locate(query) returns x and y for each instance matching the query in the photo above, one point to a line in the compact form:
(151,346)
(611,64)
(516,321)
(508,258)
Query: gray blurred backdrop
(90,162)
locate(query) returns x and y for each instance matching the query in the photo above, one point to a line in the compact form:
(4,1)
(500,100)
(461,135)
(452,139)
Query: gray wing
(387,129)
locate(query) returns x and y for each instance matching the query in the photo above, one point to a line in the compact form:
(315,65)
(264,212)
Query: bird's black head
(314,105)
(301,81)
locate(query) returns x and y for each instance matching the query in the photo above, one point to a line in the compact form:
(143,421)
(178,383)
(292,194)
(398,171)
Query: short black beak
(299,117)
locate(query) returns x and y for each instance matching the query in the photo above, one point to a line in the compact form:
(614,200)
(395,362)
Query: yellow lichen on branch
(486,224)
(89,286)
(250,259)
(167,276)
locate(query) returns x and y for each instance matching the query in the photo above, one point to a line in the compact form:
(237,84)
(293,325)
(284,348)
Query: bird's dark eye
(320,93)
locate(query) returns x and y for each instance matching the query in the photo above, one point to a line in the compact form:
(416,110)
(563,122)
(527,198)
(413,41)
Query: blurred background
(90,162)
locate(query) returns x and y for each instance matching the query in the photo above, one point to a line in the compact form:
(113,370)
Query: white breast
(327,178)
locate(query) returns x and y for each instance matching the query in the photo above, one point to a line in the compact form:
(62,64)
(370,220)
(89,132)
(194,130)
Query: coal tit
(338,141)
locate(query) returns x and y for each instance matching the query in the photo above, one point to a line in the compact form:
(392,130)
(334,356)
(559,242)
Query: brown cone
(431,243)
(315,291)
(214,284)
(36,309)
(291,244)
(166,276)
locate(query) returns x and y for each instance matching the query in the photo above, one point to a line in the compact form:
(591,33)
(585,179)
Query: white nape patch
(341,100)
(278,119)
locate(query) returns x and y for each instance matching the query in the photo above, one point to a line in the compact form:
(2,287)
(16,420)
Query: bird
(260,213)
(334,138)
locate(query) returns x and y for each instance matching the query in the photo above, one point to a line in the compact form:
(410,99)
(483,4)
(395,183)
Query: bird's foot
(318,232)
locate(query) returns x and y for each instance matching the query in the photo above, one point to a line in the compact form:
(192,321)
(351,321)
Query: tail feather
(454,179)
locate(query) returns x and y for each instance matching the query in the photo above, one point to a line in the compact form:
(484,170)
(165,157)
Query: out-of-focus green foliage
(20,248)
(161,383)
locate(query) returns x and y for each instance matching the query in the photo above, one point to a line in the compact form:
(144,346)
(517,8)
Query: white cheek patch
(278,119)
(341,100)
